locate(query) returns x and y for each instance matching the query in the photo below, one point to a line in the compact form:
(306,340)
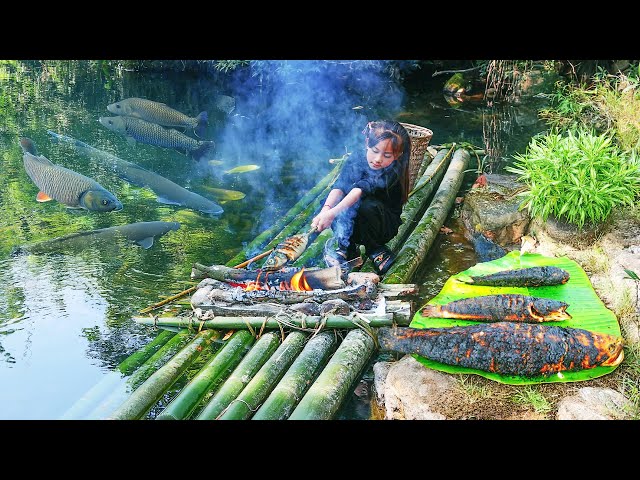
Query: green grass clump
(577,178)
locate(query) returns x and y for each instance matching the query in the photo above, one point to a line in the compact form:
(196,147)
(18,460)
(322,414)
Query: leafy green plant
(578,178)
(531,396)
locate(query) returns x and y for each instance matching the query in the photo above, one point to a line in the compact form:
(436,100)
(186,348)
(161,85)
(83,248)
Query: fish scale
(162,137)
(60,183)
(156,112)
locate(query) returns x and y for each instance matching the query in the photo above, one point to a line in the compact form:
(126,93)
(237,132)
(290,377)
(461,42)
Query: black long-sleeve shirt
(383,184)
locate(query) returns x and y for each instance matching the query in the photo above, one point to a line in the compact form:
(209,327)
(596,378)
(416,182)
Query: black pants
(369,222)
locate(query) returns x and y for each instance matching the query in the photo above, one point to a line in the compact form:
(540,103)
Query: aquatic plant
(577,178)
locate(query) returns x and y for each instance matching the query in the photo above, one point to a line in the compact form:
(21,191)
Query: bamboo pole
(296,381)
(259,387)
(240,376)
(327,393)
(267,235)
(300,321)
(89,400)
(417,245)
(147,394)
(209,377)
(120,392)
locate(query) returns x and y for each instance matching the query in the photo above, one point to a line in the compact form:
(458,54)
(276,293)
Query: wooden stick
(192,289)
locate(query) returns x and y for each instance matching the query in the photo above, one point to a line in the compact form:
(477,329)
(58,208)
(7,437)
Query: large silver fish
(141,233)
(160,113)
(64,185)
(167,191)
(137,130)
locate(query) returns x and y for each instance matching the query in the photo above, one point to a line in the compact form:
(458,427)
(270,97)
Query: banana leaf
(588,312)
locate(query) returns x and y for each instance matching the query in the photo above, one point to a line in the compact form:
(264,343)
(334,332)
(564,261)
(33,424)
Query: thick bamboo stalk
(267,235)
(121,391)
(108,382)
(327,393)
(147,394)
(209,377)
(265,379)
(296,381)
(272,322)
(240,376)
(416,247)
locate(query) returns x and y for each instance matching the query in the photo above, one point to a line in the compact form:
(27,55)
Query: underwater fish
(243,169)
(159,113)
(224,195)
(140,233)
(508,348)
(501,308)
(64,185)
(167,192)
(287,251)
(521,277)
(137,130)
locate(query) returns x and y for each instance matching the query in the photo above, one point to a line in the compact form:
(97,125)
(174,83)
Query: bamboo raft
(257,366)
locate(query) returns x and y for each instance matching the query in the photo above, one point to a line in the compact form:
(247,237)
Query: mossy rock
(570,233)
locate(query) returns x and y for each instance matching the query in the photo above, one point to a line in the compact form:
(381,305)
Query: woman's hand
(323,220)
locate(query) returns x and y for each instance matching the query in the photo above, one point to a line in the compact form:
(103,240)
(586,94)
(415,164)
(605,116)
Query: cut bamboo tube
(296,381)
(259,387)
(209,377)
(324,397)
(417,246)
(147,394)
(240,376)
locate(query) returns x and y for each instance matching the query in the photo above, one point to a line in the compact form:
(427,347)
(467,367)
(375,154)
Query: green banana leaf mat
(585,307)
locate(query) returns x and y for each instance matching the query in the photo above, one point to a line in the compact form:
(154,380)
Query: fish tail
(202,121)
(205,150)
(430,311)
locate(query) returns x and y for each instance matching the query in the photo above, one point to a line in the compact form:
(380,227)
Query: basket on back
(420,137)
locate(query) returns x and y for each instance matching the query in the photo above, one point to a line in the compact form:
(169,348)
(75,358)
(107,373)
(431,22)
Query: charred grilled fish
(508,348)
(501,308)
(522,277)
(287,251)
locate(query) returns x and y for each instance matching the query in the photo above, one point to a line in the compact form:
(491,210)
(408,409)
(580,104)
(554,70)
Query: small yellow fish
(222,194)
(243,169)
(215,163)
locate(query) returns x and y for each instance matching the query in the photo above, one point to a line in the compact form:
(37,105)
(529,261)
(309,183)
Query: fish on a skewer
(288,250)
(508,348)
(521,277)
(499,308)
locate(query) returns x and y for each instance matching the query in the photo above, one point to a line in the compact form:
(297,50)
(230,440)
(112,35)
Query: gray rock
(594,404)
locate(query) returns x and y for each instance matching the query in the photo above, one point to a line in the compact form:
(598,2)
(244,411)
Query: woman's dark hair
(380,130)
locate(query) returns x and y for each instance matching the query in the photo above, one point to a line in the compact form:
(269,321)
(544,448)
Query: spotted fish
(521,277)
(159,113)
(137,130)
(508,348)
(64,185)
(500,308)
(287,251)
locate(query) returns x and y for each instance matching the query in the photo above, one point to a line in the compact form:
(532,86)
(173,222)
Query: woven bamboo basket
(420,138)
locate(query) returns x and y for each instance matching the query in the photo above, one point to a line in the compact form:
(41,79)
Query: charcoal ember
(308,308)
(335,306)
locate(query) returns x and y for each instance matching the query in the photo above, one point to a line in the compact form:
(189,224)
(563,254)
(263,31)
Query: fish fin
(131,140)
(166,201)
(43,197)
(145,242)
(204,151)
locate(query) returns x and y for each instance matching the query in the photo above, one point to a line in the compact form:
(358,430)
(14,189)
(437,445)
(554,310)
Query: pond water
(65,317)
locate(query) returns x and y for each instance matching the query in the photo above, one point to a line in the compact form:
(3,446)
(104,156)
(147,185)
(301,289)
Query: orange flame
(299,282)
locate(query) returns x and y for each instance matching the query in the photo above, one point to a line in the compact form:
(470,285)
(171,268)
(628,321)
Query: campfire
(226,291)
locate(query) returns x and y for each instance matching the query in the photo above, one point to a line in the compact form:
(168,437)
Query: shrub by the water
(577,178)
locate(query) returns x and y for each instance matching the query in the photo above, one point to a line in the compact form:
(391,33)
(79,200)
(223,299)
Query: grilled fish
(64,185)
(137,130)
(501,308)
(286,251)
(522,277)
(508,348)
(159,113)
